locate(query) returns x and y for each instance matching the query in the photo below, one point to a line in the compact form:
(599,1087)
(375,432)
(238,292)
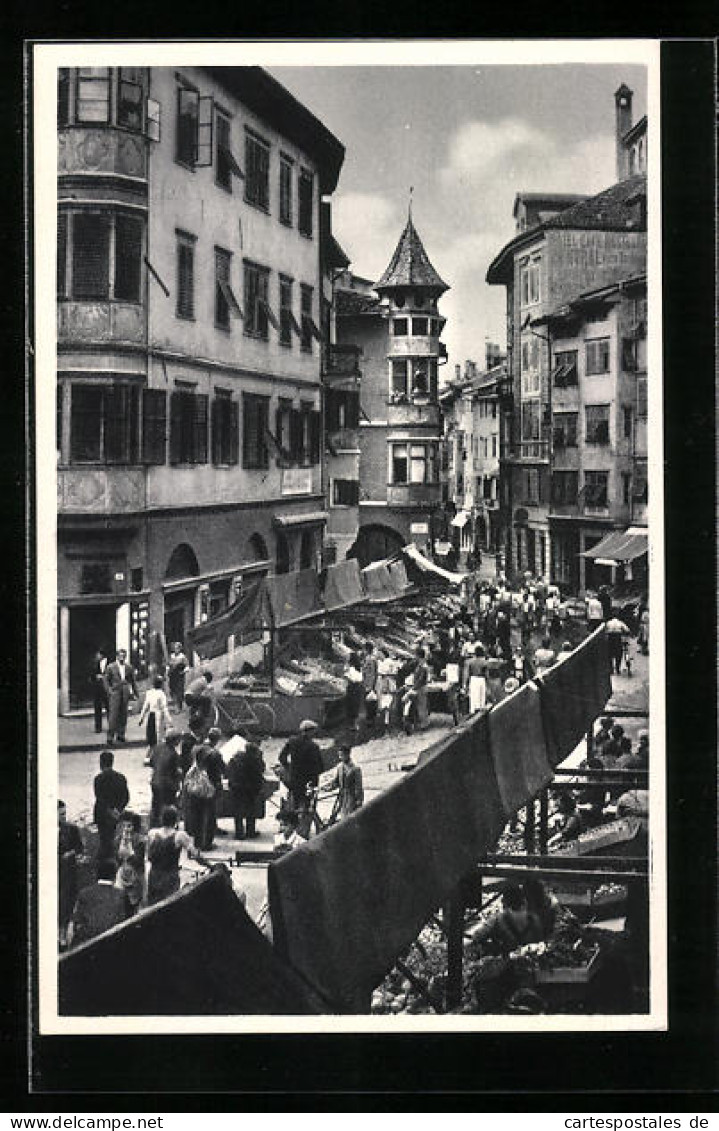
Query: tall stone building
(188,349)
(397,325)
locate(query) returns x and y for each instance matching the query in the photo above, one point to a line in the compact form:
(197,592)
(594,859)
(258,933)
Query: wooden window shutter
(154,425)
(200,420)
(176,404)
(234,431)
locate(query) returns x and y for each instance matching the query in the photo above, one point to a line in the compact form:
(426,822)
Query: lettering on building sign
(296,481)
(419,528)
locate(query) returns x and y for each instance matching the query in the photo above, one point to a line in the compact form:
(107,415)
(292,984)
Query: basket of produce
(567,963)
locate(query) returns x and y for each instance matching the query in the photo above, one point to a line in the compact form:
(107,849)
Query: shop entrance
(91,627)
(179,615)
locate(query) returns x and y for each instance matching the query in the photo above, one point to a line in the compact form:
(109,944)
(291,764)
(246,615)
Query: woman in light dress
(156,714)
(475,680)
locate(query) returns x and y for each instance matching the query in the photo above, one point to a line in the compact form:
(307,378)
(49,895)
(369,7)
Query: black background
(674,1071)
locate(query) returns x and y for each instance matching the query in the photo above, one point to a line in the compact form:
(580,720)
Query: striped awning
(619,546)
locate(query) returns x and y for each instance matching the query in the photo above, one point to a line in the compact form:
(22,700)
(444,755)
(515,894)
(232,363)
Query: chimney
(623,103)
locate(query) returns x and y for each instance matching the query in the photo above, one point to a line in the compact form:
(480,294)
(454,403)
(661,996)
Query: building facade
(471,417)
(397,325)
(599,429)
(189,362)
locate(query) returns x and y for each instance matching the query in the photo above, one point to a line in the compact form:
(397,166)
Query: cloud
(367,226)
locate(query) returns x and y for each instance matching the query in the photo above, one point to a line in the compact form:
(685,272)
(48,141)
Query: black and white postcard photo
(348,397)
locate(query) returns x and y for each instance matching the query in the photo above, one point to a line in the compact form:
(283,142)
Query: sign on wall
(296,481)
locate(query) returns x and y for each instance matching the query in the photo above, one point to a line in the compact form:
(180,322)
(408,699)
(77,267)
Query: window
(91,255)
(529,283)
(257,171)
(345,493)
(225,164)
(341,409)
(255,423)
(286,315)
(597,356)
(626,488)
(306,203)
(96,577)
(530,420)
(596,493)
(225,301)
(104,423)
(494,446)
(399,376)
(185,276)
(285,190)
(565,368)
(532,486)
(641,396)
(565,429)
(92,94)
(256,286)
(218,597)
(89,242)
(565,487)
(399,463)
(312,420)
(308,326)
(640,486)
(399,327)
(188,108)
(62,254)
(630,355)
(128,254)
(130,98)
(63,97)
(283,425)
(627,421)
(188,427)
(420,327)
(154,426)
(225,429)
(597,423)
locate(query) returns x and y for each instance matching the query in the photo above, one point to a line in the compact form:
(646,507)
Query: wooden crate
(570,975)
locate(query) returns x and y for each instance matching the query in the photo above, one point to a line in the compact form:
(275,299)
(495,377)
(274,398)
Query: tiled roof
(410,265)
(613,209)
(354,302)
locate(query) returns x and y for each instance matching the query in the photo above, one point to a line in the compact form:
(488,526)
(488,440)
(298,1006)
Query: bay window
(99,254)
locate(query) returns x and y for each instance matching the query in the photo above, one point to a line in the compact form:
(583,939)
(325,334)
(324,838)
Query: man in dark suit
(111,797)
(99,907)
(121,688)
(99,687)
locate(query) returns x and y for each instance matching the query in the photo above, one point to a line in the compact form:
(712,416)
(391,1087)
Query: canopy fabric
(619,546)
(426,566)
(398,574)
(213,961)
(343,585)
(248,614)
(377,582)
(374,879)
(460,519)
(294,596)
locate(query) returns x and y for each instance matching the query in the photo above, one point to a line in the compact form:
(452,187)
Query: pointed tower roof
(410,265)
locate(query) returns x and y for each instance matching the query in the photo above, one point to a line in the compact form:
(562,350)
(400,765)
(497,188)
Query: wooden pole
(453,915)
(529,826)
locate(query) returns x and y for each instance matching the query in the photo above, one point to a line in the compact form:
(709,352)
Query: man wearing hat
(302,762)
(166,774)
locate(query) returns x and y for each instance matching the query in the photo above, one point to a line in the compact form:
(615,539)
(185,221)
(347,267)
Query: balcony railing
(413,412)
(341,361)
(530,450)
(413,494)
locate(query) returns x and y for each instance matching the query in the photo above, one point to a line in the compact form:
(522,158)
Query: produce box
(569,975)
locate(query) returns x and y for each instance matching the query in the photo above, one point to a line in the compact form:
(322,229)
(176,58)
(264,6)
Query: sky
(467,139)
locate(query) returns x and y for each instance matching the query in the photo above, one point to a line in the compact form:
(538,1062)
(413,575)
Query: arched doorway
(180,603)
(375,543)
